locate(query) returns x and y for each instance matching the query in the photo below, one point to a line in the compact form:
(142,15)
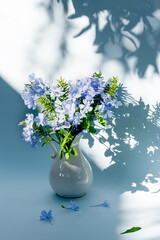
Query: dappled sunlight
(74,39)
(19,22)
(128,147)
(139,209)
(147,88)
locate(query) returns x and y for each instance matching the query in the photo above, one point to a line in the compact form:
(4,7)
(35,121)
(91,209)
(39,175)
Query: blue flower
(75,91)
(56,91)
(77,119)
(66,125)
(46,216)
(86,107)
(27,134)
(104,204)
(73,206)
(29,96)
(69,106)
(98,85)
(61,117)
(33,90)
(41,119)
(53,123)
(101,107)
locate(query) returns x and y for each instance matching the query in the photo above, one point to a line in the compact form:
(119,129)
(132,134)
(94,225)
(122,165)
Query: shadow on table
(134,140)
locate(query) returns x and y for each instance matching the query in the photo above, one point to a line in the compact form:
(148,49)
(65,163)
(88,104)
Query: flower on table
(46,216)
(104,204)
(73,207)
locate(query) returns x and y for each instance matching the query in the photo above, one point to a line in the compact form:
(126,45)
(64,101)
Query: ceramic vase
(71,178)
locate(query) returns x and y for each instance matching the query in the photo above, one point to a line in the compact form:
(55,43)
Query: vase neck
(76,141)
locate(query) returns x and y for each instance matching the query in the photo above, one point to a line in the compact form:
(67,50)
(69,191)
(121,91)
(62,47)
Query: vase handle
(54,149)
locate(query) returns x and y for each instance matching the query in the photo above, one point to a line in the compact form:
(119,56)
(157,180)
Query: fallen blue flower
(46,216)
(104,204)
(73,206)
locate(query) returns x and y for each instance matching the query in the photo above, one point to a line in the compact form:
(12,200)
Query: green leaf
(62,206)
(65,88)
(92,129)
(99,75)
(46,103)
(102,121)
(46,141)
(60,154)
(68,137)
(61,131)
(131,230)
(86,124)
(113,88)
(67,155)
(73,151)
(51,118)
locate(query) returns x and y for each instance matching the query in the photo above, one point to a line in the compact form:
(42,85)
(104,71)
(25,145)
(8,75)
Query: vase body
(71,178)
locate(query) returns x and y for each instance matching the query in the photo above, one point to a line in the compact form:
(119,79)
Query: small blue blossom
(32,91)
(46,216)
(61,117)
(38,86)
(98,85)
(66,125)
(73,206)
(53,123)
(77,119)
(101,107)
(104,204)
(29,96)
(56,91)
(85,108)
(105,97)
(41,119)
(28,134)
(70,107)
(75,91)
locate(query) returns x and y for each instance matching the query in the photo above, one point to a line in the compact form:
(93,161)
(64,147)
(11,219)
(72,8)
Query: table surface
(131,185)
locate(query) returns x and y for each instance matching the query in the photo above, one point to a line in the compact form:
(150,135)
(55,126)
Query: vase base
(66,196)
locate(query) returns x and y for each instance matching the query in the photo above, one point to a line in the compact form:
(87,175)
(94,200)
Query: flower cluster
(67,108)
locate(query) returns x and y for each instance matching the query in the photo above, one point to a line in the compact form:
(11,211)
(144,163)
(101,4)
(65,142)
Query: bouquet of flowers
(67,109)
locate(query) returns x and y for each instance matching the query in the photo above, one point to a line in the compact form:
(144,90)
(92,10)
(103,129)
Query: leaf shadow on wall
(49,48)
(133,145)
(122,30)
